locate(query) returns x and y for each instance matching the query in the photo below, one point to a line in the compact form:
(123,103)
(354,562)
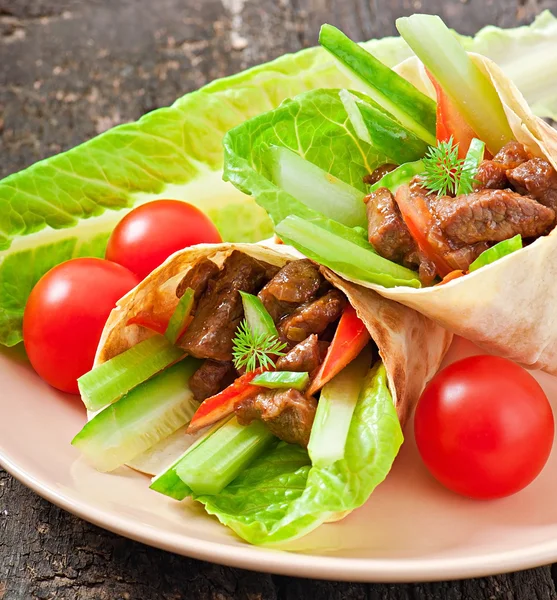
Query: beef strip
(312,317)
(287,413)
(378,173)
(537,178)
(305,356)
(220,309)
(197,278)
(511,155)
(462,258)
(491,175)
(387,232)
(490,216)
(297,282)
(211,378)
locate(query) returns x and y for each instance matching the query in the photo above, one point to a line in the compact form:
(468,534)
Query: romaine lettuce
(280,496)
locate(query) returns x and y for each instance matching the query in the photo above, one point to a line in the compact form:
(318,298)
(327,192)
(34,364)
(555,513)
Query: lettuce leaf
(67,205)
(281,497)
(314,125)
(496,252)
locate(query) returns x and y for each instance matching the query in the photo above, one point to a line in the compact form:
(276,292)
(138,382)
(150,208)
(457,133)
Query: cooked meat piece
(287,413)
(211,378)
(537,178)
(220,309)
(511,155)
(490,216)
(491,175)
(463,257)
(197,278)
(379,173)
(312,317)
(387,232)
(305,356)
(297,282)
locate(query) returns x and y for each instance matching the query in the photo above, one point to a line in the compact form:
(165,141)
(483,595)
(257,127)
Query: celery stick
(211,466)
(282,380)
(400,176)
(334,411)
(496,252)
(179,317)
(414,110)
(142,418)
(114,378)
(474,157)
(470,90)
(387,136)
(316,188)
(342,255)
(259,320)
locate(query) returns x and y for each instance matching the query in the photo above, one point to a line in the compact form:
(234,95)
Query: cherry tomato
(149,234)
(65,315)
(484,427)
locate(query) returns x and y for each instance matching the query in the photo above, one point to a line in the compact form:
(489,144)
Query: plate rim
(275,561)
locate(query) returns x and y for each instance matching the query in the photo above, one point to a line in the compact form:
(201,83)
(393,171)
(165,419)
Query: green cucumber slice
(472,161)
(108,382)
(179,317)
(212,465)
(167,482)
(142,418)
(400,176)
(282,380)
(259,320)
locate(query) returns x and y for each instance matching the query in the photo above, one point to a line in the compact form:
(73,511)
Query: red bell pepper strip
(221,405)
(422,227)
(149,321)
(350,338)
(450,123)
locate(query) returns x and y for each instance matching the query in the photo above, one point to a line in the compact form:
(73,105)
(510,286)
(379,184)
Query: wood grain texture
(70,69)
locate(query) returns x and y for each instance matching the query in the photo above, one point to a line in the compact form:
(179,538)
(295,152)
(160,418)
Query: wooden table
(71,69)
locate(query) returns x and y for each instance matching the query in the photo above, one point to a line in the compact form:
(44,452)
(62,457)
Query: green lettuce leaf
(314,125)
(281,497)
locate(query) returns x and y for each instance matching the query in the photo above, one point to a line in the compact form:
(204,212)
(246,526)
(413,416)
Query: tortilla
(505,307)
(410,345)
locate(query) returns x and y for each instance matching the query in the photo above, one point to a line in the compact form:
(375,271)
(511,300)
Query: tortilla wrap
(410,345)
(505,307)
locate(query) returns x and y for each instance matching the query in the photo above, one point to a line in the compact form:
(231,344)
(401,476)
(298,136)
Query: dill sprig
(445,173)
(255,350)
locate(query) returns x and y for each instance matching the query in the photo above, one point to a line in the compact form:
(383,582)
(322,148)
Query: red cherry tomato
(149,234)
(484,427)
(65,315)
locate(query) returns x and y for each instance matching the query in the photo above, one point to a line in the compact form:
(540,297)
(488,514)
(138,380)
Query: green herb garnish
(254,350)
(445,173)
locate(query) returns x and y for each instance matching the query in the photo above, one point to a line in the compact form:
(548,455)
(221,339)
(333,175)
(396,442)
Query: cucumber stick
(386,135)
(316,188)
(412,109)
(334,411)
(282,380)
(259,320)
(110,381)
(400,176)
(139,420)
(179,318)
(211,463)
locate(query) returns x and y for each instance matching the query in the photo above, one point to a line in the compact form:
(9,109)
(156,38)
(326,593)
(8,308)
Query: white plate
(411,529)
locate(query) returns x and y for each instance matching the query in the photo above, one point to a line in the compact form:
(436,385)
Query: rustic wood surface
(70,69)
